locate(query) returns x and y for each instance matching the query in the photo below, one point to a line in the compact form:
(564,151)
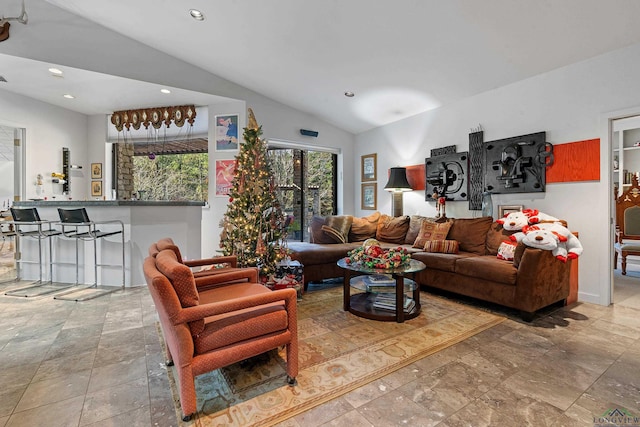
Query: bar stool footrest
(42,288)
(87,292)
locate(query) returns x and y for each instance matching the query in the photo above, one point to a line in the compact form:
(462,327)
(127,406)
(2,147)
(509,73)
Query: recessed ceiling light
(68,96)
(349,94)
(165,91)
(55,71)
(196,14)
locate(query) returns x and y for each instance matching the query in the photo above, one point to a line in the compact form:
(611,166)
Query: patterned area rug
(339,352)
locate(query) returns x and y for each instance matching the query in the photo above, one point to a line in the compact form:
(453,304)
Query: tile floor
(99,363)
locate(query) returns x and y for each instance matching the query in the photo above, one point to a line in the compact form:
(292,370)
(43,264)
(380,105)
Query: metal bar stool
(77,225)
(27,223)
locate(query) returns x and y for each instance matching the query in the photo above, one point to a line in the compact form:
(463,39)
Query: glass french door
(306,185)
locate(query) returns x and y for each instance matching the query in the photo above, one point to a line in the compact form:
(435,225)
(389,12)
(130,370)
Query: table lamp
(397,185)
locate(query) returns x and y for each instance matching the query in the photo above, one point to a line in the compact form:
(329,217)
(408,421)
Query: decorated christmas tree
(252,227)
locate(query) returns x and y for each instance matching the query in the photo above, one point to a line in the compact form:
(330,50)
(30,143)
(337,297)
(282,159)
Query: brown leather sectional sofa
(535,279)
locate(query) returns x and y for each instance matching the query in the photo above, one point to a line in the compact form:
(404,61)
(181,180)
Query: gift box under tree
(289,274)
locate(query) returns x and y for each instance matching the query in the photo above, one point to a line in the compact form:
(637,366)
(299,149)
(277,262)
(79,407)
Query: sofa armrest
(542,279)
(199,312)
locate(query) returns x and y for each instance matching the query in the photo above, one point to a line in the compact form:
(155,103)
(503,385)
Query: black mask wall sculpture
(518,164)
(447,176)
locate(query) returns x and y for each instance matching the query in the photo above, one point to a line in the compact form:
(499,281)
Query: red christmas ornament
(230,199)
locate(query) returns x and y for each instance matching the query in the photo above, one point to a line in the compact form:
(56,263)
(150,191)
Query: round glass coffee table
(383,291)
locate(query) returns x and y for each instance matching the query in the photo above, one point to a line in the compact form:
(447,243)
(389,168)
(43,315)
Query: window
(306,183)
(171,171)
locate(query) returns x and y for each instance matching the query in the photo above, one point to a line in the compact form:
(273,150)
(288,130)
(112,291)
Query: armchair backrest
(167,243)
(628,211)
(183,282)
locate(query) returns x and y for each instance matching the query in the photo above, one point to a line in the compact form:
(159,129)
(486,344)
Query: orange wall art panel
(575,161)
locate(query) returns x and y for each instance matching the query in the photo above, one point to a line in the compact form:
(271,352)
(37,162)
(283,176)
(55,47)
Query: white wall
(48,129)
(6,183)
(569,104)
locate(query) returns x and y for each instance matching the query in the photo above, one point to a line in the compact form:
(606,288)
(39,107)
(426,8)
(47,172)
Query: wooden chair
(208,329)
(627,224)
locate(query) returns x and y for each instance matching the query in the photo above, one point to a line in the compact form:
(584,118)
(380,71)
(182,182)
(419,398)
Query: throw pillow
(337,227)
(415,222)
(392,230)
(334,235)
(364,228)
(317,234)
(431,231)
(471,233)
(506,251)
(495,236)
(441,246)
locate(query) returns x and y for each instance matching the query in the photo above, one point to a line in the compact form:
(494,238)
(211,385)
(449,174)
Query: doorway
(11,185)
(625,145)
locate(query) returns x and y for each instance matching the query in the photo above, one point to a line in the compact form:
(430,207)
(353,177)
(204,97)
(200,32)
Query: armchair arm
(232,260)
(199,312)
(249,273)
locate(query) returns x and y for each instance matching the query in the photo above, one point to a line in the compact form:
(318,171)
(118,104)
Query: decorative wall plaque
(518,164)
(449,149)
(447,176)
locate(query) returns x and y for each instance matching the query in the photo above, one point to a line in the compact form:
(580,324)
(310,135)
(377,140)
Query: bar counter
(145,221)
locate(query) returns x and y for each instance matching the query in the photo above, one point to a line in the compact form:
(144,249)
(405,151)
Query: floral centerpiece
(371,255)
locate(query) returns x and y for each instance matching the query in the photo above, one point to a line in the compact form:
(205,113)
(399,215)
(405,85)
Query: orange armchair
(208,329)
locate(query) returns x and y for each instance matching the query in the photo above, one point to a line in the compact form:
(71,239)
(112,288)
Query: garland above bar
(156,117)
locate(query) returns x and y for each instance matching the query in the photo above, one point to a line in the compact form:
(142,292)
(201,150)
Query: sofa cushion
(487,267)
(471,233)
(364,228)
(438,261)
(441,246)
(392,230)
(313,254)
(495,236)
(431,231)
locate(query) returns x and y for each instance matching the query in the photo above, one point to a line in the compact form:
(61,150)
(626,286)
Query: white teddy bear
(516,221)
(562,243)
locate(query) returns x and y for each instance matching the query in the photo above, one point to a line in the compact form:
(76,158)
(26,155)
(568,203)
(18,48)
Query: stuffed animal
(559,240)
(554,227)
(535,216)
(515,221)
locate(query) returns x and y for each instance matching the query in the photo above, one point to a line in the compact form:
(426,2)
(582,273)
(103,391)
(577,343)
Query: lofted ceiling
(399,57)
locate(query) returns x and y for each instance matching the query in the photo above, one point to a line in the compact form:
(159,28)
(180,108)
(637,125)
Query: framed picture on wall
(368,167)
(369,197)
(96,170)
(507,209)
(225,171)
(96,188)
(227,132)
